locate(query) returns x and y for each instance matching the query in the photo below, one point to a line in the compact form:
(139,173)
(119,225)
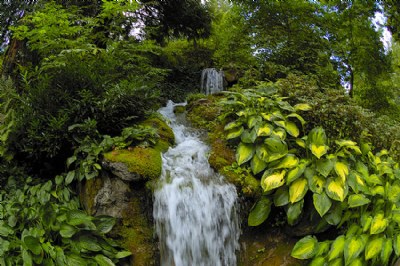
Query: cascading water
(194,209)
(212,81)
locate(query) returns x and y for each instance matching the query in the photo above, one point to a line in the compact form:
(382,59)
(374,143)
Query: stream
(194,210)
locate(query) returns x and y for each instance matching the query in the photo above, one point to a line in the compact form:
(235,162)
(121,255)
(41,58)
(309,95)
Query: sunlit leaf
(301,143)
(378,224)
(302,107)
(244,153)
(254,120)
(260,211)
(295,173)
(292,129)
(265,130)
(336,190)
(322,203)
(373,248)
(271,180)
(234,133)
(353,248)
(301,119)
(305,248)
(357,200)
(289,161)
(337,248)
(319,151)
(298,190)
(232,125)
(342,170)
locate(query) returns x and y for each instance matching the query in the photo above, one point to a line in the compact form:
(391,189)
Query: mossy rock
(167,137)
(179,109)
(134,164)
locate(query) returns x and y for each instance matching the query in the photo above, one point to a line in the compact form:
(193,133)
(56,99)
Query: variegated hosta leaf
(316,183)
(373,248)
(289,161)
(265,130)
(317,137)
(342,170)
(324,166)
(386,251)
(357,200)
(279,133)
(254,120)
(277,148)
(298,190)
(318,151)
(233,124)
(378,224)
(305,248)
(295,173)
(249,136)
(262,152)
(260,212)
(323,248)
(301,143)
(337,248)
(345,143)
(271,180)
(336,190)
(294,115)
(293,212)
(292,129)
(281,196)
(244,153)
(352,248)
(322,203)
(302,107)
(257,165)
(280,123)
(373,179)
(234,133)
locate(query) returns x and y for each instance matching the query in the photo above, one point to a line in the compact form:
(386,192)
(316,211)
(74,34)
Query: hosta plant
(350,187)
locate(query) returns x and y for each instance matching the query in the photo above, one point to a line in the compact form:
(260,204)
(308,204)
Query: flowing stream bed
(194,208)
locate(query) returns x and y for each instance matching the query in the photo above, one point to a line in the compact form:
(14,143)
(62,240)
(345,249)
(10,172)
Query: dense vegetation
(313,115)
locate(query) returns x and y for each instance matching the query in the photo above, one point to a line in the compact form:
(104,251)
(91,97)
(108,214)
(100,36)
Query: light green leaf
(378,224)
(70,177)
(232,125)
(253,121)
(317,137)
(26,258)
(357,200)
(394,193)
(353,248)
(257,165)
(289,161)
(396,244)
(318,261)
(292,129)
(305,248)
(77,217)
(271,180)
(373,179)
(280,123)
(337,248)
(324,166)
(336,190)
(316,183)
(373,248)
(342,170)
(323,248)
(295,173)
(294,211)
(249,136)
(265,130)
(301,143)
(298,190)
(277,148)
(260,212)
(386,251)
(234,133)
(123,254)
(345,143)
(300,118)
(302,107)
(262,152)
(103,260)
(67,230)
(319,151)
(281,196)
(322,203)
(244,153)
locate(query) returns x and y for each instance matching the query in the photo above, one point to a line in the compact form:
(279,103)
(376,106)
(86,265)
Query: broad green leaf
(77,217)
(357,262)
(67,230)
(262,152)
(324,166)
(334,215)
(234,133)
(373,179)
(373,248)
(26,258)
(357,200)
(396,244)
(281,196)
(319,151)
(289,161)
(305,248)
(265,130)
(280,123)
(254,120)
(323,248)
(300,118)
(271,180)
(394,193)
(318,261)
(33,244)
(232,125)
(249,136)
(69,178)
(104,224)
(279,133)
(294,211)
(336,190)
(260,212)
(386,251)
(71,160)
(378,190)
(317,137)
(295,173)
(123,254)
(378,224)
(342,170)
(257,165)
(298,190)
(302,107)
(322,203)
(277,148)
(337,248)
(88,242)
(316,184)
(292,129)
(352,248)
(75,260)
(244,153)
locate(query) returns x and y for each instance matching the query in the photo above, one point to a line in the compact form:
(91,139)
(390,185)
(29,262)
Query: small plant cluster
(351,187)
(41,224)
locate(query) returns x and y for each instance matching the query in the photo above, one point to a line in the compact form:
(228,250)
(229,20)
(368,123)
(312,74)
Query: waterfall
(212,81)
(194,208)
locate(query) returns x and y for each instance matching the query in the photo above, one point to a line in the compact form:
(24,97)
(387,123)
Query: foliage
(351,187)
(42,225)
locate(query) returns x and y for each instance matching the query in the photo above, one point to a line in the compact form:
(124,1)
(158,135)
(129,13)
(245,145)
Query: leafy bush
(40,224)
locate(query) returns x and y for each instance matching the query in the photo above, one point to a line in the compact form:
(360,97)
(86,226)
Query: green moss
(88,193)
(145,162)
(166,134)
(179,109)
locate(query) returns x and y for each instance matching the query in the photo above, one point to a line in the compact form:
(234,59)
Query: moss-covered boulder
(165,133)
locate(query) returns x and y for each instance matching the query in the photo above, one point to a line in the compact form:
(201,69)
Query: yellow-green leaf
(302,107)
(324,166)
(298,190)
(305,248)
(378,224)
(234,132)
(373,248)
(337,248)
(248,136)
(342,143)
(386,251)
(316,183)
(234,124)
(265,130)
(280,123)
(342,170)
(292,129)
(336,190)
(244,153)
(295,173)
(301,119)
(271,180)
(262,152)
(353,248)
(277,148)
(289,161)
(319,151)
(322,203)
(301,143)
(357,200)
(257,165)
(253,120)
(396,244)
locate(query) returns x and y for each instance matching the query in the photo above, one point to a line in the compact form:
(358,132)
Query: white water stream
(194,209)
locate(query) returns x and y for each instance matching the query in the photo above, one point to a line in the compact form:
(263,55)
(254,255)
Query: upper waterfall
(212,81)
